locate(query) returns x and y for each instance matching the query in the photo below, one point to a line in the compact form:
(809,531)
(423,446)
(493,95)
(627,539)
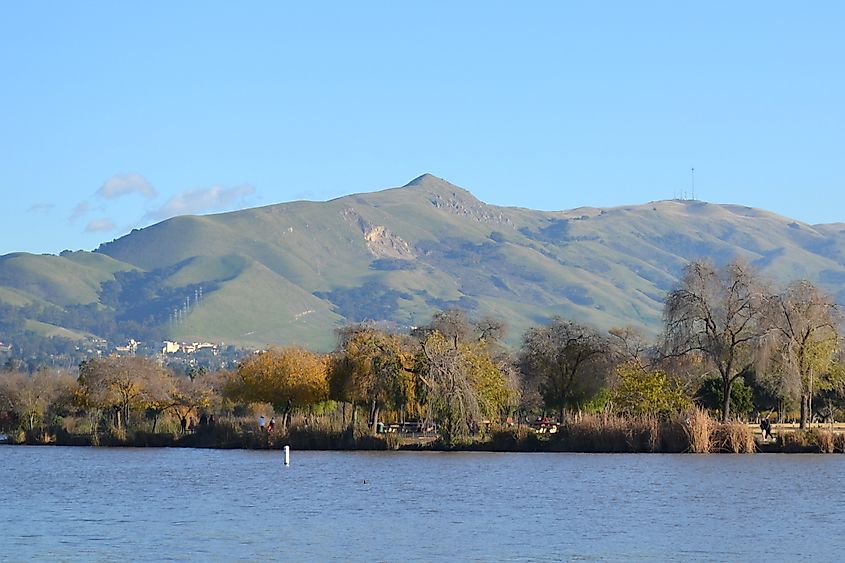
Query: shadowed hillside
(292,272)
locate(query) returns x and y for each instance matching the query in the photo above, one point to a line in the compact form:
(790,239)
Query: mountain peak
(425,179)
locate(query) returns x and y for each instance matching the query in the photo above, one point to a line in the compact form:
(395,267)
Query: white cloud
(205,200)
(99,225)
(80,210)
(40,208)
(124,184)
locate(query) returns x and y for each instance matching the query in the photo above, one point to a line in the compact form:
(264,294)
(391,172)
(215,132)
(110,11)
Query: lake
(83,504)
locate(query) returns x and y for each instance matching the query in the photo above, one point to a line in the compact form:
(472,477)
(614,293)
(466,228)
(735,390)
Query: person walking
(261,421)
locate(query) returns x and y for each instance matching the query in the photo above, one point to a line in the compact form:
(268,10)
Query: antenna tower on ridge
(692,178)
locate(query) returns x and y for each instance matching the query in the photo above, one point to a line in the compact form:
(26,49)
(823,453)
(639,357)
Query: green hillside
(293,272)
(72,278)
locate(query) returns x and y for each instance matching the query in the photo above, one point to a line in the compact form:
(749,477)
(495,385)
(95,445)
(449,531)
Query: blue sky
(116,115)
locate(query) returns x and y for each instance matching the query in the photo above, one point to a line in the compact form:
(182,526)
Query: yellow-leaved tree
(287,378)
(648,391)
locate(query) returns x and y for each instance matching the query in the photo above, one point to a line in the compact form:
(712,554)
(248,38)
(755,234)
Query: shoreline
(527,443)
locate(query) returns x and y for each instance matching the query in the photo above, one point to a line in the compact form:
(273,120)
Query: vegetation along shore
(735,354)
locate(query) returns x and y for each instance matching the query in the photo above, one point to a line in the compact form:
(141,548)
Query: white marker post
(287,455)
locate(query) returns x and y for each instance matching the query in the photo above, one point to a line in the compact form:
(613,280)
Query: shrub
(514,440)
(793,441)
(823,439)
(392,441)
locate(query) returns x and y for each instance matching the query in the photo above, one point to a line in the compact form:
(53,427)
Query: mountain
(292,272)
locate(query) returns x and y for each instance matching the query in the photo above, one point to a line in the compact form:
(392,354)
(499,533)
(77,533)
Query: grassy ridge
(402,253)
(74,278)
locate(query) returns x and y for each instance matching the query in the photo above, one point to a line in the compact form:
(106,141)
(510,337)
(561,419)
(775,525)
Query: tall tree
(717,313)
(287,378)
(802,341)
(32,397)
(120,383)
(464,377)
(375,372)
(566,361)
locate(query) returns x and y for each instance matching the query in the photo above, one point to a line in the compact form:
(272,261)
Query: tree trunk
(375,417)
(805,400)
(809,412)
(727,384)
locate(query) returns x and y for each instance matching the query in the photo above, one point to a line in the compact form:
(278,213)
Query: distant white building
(171,347)
(130,348)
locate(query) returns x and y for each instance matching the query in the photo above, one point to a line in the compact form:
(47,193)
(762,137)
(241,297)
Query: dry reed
(839,442)
(823,439)
(699,430)
(734,437)
(619,434)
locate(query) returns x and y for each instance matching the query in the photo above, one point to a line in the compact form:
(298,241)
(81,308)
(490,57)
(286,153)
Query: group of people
(265,426)
(189,426)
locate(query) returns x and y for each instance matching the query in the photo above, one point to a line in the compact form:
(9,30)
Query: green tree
(566,361)
(710,396)
(374,372)
(642,391)
(461,383)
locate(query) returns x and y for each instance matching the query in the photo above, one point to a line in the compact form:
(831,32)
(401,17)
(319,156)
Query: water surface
(70,504)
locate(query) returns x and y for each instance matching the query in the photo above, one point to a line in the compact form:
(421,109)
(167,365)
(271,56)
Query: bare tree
(717,313)
(802,341)
(118,383)
(633,347)
(456,327)
(32,397)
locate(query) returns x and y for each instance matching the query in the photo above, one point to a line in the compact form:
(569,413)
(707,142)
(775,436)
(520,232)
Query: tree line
(731,341)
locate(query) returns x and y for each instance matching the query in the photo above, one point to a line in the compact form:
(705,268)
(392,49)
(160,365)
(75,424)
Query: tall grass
(733,437)
(699,431)
(813,440)
(693,431)
(618,434)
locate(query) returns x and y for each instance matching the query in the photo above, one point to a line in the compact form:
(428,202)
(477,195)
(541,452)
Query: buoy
(287,455)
